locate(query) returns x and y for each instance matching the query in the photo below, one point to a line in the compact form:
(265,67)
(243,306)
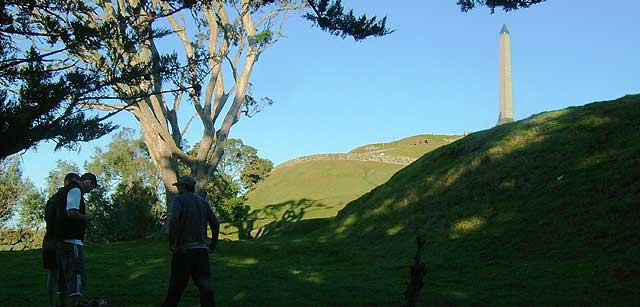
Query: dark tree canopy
(330,17)
(40,93)
(44,90)
(44,109)
(506,5)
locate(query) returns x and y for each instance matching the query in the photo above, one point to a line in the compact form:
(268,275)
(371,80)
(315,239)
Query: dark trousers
(192,263)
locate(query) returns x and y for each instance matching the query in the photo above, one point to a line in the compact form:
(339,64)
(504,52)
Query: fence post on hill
(416,277)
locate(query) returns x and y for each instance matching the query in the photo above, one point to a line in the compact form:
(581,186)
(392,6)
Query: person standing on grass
(190,215)
(71,222)
(49,259)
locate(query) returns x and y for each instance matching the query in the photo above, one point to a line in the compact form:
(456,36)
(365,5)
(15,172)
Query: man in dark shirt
(49,260)
(188,219)
(70,225)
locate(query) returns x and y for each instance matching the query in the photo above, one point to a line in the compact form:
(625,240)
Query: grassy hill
(324,185)
(320,188)
(540,212)
(413,146)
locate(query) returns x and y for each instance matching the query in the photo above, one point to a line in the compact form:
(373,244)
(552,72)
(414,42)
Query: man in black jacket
(190,214)
(49,259)
(71,222)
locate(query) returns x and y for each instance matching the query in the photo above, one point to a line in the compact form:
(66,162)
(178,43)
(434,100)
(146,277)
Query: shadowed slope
(544,211)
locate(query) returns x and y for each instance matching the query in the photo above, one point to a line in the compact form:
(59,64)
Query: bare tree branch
(186,127)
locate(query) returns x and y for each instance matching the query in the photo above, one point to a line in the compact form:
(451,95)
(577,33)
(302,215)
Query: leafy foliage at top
(45,90)
(45,107)
(330,17)
(506,5)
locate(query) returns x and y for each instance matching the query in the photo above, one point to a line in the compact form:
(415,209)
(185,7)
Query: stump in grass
(416,277)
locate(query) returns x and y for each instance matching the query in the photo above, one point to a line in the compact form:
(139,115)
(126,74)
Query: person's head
(88,182)
(71,177)
(186,183)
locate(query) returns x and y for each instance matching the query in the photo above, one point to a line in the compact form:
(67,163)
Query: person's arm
(214,223)
(175,227)
(73,206)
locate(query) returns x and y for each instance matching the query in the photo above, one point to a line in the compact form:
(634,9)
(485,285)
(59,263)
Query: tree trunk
(158,121)
(164,161)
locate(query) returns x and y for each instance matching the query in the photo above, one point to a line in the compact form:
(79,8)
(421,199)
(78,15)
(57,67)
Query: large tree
(213,34)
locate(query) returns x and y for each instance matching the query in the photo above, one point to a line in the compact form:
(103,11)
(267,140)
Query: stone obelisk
(506,95)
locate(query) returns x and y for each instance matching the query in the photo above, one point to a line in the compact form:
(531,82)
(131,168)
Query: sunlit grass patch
(465,226)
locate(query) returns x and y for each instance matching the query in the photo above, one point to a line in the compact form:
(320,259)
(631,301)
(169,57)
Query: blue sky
(438,73)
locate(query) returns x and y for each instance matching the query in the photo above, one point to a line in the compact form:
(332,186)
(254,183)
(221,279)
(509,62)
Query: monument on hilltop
(506,95)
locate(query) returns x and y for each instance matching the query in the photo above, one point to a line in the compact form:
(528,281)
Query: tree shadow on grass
(255,223)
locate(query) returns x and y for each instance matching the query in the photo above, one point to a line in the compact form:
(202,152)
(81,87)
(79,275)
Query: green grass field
(321,188)
(414,146)
(245,273)
(315,189)
(540,212)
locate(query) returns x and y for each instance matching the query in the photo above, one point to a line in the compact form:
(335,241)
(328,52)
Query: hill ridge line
(367,157)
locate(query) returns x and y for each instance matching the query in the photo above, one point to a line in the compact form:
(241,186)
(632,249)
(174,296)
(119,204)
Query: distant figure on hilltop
(190,215)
